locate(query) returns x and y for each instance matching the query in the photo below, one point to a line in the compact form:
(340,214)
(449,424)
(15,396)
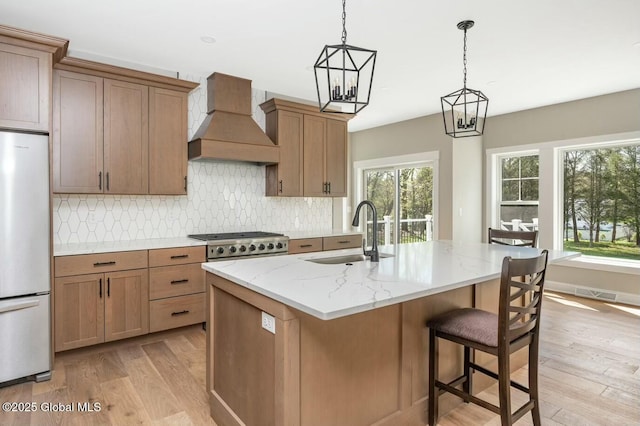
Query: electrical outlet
(268,322)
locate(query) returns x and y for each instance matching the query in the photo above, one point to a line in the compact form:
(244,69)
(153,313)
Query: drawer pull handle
(113,262)
(179,281)
(173,314)
(180,256)
(344,242)
(306,245)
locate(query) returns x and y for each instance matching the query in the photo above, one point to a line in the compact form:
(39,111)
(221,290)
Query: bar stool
(526,238)
(513,328)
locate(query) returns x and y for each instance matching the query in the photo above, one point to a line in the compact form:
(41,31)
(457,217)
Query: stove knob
(252,247)
(243,249)
(261,247)
(232,249)
(220,250)
(270,246)
(279,245)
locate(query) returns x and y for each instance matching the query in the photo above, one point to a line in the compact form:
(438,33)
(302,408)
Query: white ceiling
(522,53)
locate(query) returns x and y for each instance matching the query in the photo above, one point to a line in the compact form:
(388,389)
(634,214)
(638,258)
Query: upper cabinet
(126,138)
(313,150)
(167,159)
(118,131)
(26,59)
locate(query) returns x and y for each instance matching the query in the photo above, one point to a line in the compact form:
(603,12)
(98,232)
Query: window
(585,193)
(518,195)
(404,192)
(601,201)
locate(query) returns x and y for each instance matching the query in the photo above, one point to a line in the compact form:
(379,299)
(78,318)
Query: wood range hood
(229,132)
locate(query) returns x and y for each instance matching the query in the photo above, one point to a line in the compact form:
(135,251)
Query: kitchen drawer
(177,256)
(101,262)
(176,312)
(178,280)
(342,242)
(305,245)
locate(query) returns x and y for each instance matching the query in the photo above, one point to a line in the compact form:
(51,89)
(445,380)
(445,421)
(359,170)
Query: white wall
(221,197)
(467,189)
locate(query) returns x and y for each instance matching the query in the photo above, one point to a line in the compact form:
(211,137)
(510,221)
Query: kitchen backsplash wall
(222,197)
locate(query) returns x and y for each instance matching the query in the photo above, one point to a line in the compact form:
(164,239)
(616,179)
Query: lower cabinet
(109,296)
(307,245)
(99,298)
(176,287)
(96,308)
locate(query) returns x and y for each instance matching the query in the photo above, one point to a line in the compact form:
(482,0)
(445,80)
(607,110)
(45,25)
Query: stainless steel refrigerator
(25,273)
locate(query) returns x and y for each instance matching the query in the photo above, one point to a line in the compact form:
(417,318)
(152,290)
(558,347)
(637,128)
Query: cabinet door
(25,79)
(126,137)
(290,134)
(315,134)
(126,308)
(79,311)
(167,141)
(77,133)
(336,158)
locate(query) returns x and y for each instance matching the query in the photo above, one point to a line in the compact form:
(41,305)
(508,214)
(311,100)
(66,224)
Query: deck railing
(411,230)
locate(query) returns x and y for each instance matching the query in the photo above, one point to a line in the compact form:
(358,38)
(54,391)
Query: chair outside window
(514,327)
(513,238)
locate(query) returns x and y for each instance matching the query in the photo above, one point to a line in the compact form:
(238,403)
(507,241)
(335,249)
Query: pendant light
(464,111)
(344,75)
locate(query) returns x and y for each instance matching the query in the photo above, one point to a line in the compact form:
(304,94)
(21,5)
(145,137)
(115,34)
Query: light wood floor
(589,375)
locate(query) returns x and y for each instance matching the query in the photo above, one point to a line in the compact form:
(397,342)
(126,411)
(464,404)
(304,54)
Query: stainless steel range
(239,244)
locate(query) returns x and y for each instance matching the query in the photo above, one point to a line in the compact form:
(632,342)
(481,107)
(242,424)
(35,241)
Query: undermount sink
(349,258)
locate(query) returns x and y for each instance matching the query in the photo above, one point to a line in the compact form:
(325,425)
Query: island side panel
(251,372)
(351,366)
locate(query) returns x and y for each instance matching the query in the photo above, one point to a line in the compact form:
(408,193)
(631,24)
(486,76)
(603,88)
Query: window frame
(422,159)
(551,192)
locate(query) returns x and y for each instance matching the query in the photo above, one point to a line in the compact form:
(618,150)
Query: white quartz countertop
(332,291)
(112,246)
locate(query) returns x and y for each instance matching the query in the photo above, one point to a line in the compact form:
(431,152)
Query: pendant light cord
(464,59)
(344,22)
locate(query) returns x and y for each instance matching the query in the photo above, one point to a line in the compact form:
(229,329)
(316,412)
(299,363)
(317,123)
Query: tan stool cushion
(468,323)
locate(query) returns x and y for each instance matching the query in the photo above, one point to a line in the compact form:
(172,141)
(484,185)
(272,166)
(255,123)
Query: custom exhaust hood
(229,132)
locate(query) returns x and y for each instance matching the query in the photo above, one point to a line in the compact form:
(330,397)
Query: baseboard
(594,293)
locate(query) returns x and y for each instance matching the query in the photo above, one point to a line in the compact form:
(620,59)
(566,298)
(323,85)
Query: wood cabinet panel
(25,82)
(177,311)
(99,262)
(285,178)
(342,242)
(336,158)
(126,308)
(179,280)
(315,130)
(77,133)
(79,311)
(305,245)
(126,137)
(177,256)
(313,150)
(167,141)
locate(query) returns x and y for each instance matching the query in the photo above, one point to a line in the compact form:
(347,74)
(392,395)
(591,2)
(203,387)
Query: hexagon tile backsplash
(222,197)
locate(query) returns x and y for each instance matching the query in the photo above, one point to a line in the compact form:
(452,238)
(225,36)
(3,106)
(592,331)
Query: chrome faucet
(373,253)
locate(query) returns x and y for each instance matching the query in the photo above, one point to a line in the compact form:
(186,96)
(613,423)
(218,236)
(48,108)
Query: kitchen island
(295,342)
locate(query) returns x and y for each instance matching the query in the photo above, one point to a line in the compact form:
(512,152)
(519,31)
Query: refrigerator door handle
(19,305)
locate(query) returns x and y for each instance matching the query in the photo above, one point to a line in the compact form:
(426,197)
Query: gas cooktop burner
(235,244)
(233,235)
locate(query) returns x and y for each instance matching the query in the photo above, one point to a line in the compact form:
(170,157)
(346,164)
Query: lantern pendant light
(464,111)
(344,75)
